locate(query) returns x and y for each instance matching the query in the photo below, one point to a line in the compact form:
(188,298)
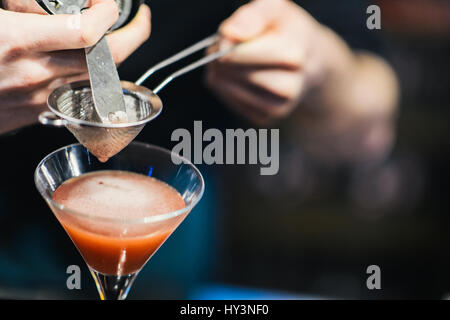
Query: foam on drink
(118,194)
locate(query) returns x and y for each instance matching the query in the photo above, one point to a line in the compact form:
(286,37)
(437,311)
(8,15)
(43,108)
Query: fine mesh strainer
(72,106)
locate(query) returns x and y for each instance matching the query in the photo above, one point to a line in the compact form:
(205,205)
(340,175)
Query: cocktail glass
(116,249)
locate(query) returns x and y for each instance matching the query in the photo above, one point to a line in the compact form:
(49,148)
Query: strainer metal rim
(154,100)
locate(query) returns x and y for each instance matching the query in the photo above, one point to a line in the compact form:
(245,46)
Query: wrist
(336,58)
(331,69)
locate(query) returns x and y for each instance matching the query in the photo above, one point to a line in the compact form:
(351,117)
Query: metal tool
(72,106)
(127,8)
(127,11)
(106,90)
(61,6)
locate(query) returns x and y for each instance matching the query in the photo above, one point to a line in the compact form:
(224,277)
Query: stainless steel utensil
(72,106)
(127,8)
(105,83)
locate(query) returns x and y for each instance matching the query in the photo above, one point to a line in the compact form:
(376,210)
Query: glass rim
(144,220)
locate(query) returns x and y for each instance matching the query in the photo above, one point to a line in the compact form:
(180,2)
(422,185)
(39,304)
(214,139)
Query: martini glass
(116,249)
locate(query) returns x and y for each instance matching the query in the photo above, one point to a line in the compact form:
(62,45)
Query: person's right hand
(37,56)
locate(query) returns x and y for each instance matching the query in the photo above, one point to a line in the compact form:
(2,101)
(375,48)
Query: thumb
(251,20)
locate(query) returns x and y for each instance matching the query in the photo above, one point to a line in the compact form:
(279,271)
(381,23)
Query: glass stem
(113,287)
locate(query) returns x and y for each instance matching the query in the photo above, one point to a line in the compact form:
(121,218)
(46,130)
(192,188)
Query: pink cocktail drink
(108,246)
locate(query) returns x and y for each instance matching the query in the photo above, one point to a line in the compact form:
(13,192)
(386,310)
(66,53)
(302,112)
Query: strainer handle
(48,118)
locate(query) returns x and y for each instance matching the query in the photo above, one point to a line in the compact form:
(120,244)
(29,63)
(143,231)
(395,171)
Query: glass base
(113,287)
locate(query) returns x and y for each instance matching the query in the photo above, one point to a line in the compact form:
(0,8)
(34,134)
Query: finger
(23,109)
(25,6)
(238,106)
(41,68)
(251,20)
(271,49)
(255,115)
(126,40)
(248,96)
(75,78)
(282,83)
(56,83)
(61,32)
(37,95)
(64,63)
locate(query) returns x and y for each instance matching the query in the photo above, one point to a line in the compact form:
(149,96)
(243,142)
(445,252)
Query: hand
(37,56)
(277,62)
(288,61)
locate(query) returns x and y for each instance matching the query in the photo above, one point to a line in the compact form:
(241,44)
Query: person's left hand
(40,52)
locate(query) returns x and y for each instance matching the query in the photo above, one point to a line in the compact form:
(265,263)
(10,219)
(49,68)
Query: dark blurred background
(310,231)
